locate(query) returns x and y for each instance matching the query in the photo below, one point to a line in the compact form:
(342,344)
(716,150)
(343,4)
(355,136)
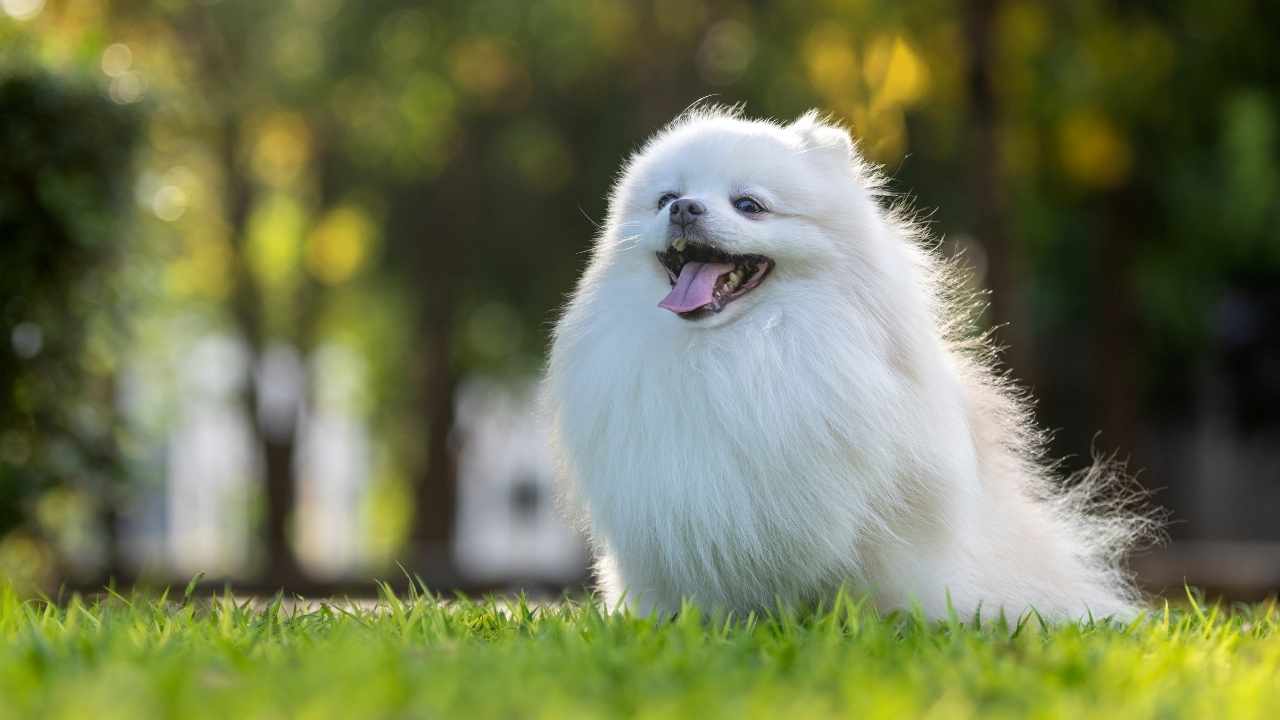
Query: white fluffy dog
(760,394)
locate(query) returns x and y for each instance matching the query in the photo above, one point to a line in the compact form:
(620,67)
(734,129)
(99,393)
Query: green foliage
(424,657)
(399,176)
(64,181)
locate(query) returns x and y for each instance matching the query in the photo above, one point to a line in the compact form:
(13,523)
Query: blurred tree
(989,195)
(270,309)
(1114,116)
(63,184)
(422,180)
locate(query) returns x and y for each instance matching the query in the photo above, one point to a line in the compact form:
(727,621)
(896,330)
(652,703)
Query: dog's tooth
(679,244)
(735,278)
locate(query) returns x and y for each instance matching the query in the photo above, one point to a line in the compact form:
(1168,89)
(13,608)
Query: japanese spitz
(761,391)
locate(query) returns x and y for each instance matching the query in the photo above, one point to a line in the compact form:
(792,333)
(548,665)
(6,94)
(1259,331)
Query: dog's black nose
(684,212)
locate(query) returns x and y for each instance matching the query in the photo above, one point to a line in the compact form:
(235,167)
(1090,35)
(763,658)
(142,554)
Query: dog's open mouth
(705,279)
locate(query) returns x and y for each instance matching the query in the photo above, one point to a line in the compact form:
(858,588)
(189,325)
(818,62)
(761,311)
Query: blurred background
(276,277)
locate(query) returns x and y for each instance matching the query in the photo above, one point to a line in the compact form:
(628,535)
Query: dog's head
(722,213)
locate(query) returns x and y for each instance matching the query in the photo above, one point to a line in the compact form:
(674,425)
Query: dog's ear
(821,136)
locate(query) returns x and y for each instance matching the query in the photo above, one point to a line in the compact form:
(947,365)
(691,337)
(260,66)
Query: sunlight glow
(339,245)
(117,59)
(1094,152)
(22,9)
(895,72)
(281,146)
(275,232)
(830,61)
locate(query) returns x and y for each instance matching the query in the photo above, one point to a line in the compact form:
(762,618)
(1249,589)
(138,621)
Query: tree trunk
(990,199)
(436,492)
(436,264)
(109,486)
(1118,328)
(278,454)
(276,449)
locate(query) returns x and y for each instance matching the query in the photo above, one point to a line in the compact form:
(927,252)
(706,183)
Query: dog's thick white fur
(830,428)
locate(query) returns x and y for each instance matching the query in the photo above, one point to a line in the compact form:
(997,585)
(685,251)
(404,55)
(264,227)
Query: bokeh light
(340,244)
(271,249)
(22,9)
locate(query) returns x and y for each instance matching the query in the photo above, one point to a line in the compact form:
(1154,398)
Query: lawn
(144,657)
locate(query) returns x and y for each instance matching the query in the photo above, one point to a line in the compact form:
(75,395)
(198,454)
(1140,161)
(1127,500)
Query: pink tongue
(695,286)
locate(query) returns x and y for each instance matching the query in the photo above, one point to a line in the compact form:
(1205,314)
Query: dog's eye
(748,205)
(666,198)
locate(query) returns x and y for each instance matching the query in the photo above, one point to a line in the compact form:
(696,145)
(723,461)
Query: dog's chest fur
(723,467)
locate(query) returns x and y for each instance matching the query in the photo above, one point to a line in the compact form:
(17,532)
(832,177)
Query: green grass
(417,657)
